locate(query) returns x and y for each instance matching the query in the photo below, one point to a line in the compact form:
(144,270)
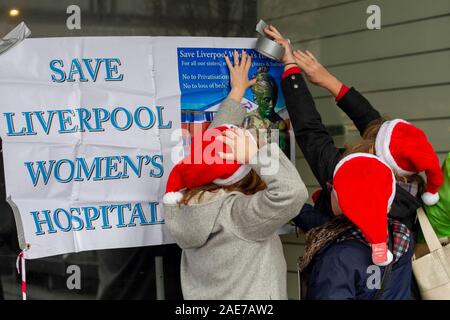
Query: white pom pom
(430,198)
(390,257)
(172,197)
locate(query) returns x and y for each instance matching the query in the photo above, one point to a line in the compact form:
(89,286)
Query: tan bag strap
(430,236)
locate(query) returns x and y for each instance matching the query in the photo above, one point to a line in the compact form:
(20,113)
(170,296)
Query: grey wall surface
(47,18)
(403,68)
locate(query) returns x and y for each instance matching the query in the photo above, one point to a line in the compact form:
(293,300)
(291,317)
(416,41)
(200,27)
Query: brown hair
(250,184)
(367,145)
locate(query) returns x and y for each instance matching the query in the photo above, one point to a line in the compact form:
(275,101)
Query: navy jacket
(340,271)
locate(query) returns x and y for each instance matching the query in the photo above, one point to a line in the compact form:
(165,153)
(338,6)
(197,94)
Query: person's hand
(273,33)
(239,75)
(316,73)
(242,145)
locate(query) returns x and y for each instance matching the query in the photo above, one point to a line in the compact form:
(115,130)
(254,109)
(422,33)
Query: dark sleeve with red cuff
(311,135)
(288,72)
(342,92)
(357,108)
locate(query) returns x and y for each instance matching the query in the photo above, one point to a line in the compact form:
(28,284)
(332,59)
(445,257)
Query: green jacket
(439,214)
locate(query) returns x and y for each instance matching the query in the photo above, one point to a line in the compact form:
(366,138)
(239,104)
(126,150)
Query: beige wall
(403,69)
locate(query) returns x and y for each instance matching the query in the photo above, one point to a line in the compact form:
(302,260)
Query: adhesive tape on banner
(269,48)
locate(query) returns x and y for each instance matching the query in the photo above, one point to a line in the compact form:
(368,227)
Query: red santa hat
(364,187)
(406,149)
(203,166)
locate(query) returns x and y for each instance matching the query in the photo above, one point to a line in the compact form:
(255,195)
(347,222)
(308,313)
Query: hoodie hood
(191,225)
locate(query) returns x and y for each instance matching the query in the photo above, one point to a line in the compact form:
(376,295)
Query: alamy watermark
(267,158)
(373,22)
(74,279)
(74,19)
(374,279)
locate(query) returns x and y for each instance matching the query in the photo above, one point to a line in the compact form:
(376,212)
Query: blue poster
(204,78)
(204,82)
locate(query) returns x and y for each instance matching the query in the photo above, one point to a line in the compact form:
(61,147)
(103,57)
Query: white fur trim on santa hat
(240,173)
(382,143)
(430,198)
(172,197)
(352,156)
(390,258)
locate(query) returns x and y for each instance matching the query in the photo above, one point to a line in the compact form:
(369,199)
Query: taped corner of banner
(19,225)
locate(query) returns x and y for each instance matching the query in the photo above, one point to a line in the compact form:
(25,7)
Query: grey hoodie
(230,246)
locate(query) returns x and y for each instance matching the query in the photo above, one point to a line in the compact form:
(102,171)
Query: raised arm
(231,111)
(311,135)
(256,217)
(357,108)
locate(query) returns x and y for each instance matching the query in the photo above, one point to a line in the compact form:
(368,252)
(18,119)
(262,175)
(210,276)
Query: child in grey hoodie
(225,216)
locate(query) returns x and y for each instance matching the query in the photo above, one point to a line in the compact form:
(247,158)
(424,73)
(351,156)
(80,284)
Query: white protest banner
(91,128)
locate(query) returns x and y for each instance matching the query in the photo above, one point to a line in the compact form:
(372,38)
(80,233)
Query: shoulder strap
(384,282)
(428,233)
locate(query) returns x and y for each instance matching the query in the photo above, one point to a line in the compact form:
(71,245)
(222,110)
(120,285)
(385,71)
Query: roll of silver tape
(269,48)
